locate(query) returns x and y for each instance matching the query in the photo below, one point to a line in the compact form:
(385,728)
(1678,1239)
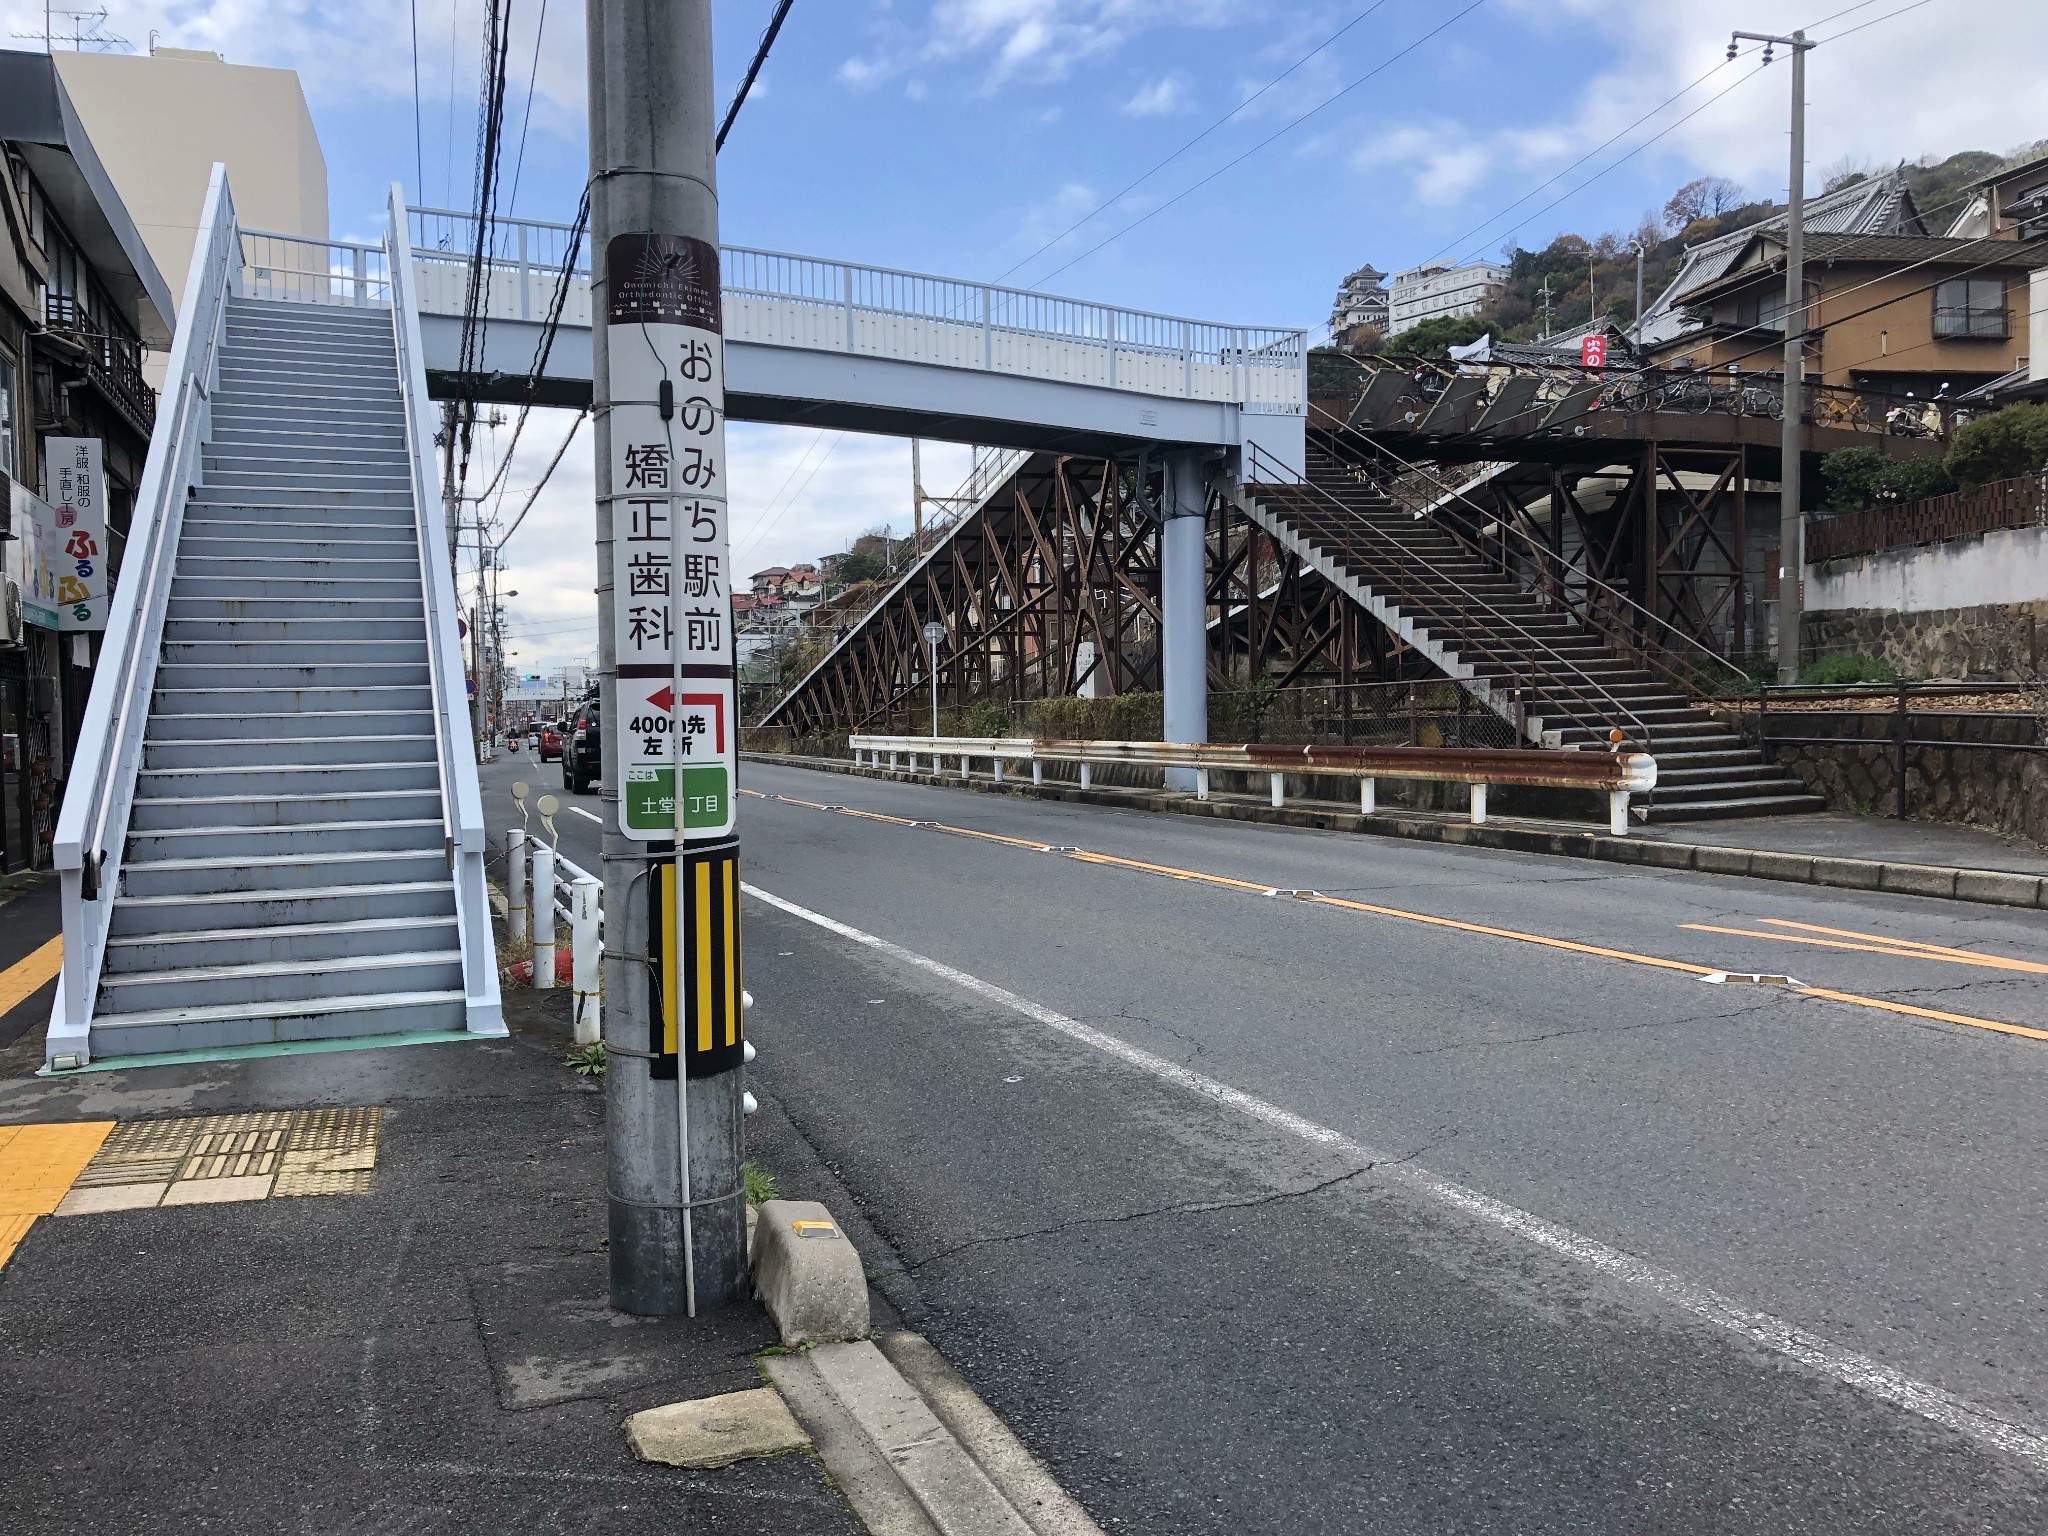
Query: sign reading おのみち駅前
(674,734)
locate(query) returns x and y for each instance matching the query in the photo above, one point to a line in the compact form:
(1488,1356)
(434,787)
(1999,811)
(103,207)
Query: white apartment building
(1428,292)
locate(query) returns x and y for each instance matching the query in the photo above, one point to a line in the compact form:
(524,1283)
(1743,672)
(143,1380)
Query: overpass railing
(1619,774)
(99,792)
(312,271)
(776,299)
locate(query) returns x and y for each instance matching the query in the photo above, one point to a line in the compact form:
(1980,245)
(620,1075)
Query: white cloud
(1167,96)
(1442,162)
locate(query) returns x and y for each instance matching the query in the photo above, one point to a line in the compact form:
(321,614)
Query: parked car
(550,741)
(582,749)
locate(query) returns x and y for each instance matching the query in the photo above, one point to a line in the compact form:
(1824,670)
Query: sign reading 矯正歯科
(674,733)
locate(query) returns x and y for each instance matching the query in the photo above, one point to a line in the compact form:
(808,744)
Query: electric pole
(1791,520)
(673,1021)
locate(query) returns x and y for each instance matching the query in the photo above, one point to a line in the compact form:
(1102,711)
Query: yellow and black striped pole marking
(700,988)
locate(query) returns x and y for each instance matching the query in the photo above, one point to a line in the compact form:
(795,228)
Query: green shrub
(1863,477)
(1854,667)
(2005,444)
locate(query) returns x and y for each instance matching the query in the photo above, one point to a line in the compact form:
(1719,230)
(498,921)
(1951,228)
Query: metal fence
(310,271)
(2020,503)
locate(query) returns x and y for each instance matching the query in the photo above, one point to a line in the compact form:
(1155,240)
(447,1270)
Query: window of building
(10,417)
(1971,307)
(1765,311)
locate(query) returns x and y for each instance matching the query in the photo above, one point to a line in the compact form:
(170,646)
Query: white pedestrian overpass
(812,342)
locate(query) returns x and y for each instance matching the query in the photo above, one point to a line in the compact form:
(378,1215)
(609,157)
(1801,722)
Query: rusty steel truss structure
(1051,588)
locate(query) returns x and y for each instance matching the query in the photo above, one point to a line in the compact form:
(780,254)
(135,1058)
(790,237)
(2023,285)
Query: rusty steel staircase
(1560,681)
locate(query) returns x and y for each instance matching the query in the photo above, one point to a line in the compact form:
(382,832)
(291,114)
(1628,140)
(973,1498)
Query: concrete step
(152,813)
(369,521)
(315,606)
(311,643)
(284,547)
(294,725)
(237,533)
(279,411)
(203,876)
(298,496)
(1733,787)
(137,916)
(269,702)
(332,1018)
(289,943)
(370,678)
(286,982)
(283,437)
(305,592)
(288,751)
(281,474)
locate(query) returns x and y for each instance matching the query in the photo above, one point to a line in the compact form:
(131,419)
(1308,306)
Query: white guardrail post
(584,955)
(516,926)
(543,917)
(1616,775)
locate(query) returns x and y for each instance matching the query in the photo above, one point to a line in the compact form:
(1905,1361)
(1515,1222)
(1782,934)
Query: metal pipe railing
(1552,675)
(99,793)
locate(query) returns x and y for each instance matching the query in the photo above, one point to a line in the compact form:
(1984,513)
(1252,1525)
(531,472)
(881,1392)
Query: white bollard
(1037,773)
(1365,797)
(515,886)
(999,770)
(585,896)
(543,917)
(1279,788)
(1478,804)
(1617,812)
(963,766)
(892,760)
(1201,783)
(1084,775)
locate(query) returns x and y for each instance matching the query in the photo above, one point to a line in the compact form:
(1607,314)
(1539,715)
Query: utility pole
(1637,247)
(1546,306)
(1791,519)
(916,495)
(673,1025)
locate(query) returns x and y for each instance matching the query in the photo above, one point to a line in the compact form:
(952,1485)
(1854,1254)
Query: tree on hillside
(1435,337)
(1702,197)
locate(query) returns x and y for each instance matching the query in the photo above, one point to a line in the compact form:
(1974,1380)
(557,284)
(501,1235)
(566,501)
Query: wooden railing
(2020,503)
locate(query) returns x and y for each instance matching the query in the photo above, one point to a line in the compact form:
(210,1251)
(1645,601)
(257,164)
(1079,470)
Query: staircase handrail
(1525,645)
(462,807)
(1595,615)
(99,790)
(982,482)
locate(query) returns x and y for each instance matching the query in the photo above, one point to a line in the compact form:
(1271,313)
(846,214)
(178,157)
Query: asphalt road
(1448,1207)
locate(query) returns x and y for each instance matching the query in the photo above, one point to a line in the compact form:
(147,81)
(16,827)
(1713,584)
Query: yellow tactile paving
(38,1164)
(215,1159)
(30,972)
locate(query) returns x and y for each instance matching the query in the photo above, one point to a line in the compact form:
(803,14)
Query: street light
(1791,522)
(934,636)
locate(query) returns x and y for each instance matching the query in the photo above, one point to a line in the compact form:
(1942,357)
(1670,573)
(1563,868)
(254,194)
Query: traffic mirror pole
(673,1021)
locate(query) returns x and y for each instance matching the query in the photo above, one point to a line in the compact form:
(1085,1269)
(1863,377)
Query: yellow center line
(1914,944)
(1903,948)
(1458,925)
(22,978)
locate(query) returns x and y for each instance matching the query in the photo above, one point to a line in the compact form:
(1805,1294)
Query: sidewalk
(1913,858)
(432,1351)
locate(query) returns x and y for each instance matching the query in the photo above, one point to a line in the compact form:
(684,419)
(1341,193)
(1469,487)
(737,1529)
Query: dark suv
(583,749)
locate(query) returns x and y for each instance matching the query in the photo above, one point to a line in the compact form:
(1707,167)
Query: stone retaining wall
(1996,642)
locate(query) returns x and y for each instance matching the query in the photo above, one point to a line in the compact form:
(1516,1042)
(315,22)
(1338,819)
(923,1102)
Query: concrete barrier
(808,1275)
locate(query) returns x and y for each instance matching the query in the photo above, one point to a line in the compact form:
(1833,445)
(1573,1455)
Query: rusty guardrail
(1619,774)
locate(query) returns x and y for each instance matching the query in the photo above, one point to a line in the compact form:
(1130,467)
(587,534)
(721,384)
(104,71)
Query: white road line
(586,815)
(1810,1350)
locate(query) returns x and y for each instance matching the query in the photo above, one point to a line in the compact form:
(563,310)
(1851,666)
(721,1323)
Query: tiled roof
(1901,250)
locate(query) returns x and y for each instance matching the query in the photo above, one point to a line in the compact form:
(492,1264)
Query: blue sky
(965,137)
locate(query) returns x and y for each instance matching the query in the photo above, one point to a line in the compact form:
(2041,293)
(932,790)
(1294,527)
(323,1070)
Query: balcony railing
(112,363)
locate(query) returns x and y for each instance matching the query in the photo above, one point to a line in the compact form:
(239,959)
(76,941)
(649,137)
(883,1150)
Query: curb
(1988,887)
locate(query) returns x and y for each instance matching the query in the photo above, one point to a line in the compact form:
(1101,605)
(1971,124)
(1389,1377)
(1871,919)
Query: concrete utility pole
(672,1019)
(1791,519)
(1183,608)
(1637,247)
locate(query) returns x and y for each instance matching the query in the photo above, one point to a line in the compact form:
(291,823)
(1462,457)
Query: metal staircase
(273,831)
(1559,682)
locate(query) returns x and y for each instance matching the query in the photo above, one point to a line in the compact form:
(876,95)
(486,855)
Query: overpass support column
(1183,607)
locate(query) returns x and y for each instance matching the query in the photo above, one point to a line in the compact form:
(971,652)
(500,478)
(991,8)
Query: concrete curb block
(1989,887)
(807,1274)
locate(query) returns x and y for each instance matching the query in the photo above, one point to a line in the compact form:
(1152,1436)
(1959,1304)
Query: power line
(1229,165)
(1132,186)
(540,484)
(419,163)
(526,118)
(753,69)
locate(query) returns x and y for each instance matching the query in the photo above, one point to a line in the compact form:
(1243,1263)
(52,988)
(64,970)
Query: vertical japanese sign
(674,734)
(1593,351)
(32,554)
(75,487)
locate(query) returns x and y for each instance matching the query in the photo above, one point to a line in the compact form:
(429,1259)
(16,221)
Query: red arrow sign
(665,699)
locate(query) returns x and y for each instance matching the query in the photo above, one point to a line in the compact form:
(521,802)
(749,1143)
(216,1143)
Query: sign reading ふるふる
(671,609)
(59,550)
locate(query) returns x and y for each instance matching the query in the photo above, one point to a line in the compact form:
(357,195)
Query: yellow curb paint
(22,978)
(1457,925)
(37,1166)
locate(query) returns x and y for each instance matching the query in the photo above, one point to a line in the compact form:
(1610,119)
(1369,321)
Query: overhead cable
(753,70)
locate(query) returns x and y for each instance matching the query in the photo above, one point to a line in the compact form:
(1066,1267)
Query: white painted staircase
(293,865)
